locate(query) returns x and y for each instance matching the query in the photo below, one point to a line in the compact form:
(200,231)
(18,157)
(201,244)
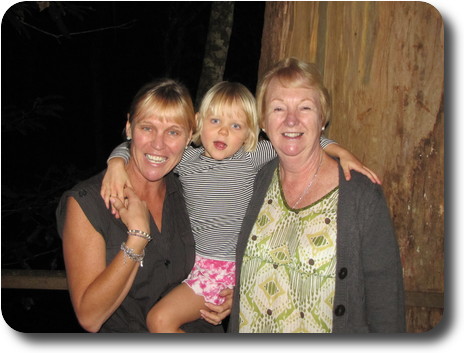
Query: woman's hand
(114,181)
(218,313)
(133,212)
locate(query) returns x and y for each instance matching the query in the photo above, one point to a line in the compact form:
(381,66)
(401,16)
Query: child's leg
(179,306)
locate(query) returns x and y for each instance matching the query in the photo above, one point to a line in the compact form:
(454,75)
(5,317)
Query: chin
(290,151)
(156,175)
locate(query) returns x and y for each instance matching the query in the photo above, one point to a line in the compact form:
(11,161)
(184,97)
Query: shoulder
(192,152)
(358,180)
(87,195)
(359,189)
(265,144)
(88,188)
(264,147)
(265,174)
(173,183)
(191,155)
(270,166)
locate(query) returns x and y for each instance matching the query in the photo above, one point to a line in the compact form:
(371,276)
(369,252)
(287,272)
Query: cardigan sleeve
(382,269)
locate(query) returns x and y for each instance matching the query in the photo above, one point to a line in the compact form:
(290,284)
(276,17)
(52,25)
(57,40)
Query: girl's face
(157,146)
(292,119)
(224,134)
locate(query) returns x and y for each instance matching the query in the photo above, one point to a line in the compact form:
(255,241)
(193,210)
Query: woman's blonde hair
(229,95)
(292,72)
(168,99)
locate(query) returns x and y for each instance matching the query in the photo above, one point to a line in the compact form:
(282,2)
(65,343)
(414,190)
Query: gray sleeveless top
(168,260)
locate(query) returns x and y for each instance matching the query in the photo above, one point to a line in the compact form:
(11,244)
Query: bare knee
(160,321)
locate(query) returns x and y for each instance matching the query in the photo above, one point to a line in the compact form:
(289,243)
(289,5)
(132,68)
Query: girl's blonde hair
(168,99)
(229,96)
(292,72)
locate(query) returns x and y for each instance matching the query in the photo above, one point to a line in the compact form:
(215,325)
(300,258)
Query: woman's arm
(97,290)
(116,178)
(349,162)
(114,182)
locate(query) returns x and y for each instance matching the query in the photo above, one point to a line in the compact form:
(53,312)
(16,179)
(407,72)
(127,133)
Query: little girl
(217,179)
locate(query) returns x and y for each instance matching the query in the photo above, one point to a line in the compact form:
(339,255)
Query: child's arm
(349,162)
(116,178)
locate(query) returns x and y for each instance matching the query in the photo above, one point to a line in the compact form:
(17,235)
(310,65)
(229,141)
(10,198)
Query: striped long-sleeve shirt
(217,194)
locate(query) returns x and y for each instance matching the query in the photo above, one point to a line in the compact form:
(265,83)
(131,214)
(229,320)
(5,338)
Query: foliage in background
(30,239)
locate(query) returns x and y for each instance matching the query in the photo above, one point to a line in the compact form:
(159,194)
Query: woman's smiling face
(157,146)
(292,119)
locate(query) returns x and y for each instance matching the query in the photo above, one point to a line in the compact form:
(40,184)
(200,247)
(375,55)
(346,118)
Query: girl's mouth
(220,145)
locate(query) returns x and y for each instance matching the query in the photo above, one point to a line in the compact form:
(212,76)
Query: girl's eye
(236,126)
(214,121)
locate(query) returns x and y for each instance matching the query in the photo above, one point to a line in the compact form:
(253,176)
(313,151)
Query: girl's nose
(224,131)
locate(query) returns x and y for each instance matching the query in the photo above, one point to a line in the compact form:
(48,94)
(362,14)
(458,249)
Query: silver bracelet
(139,233)
(130,253)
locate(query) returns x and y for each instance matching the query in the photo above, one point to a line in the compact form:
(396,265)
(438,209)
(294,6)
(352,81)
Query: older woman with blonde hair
(316,253)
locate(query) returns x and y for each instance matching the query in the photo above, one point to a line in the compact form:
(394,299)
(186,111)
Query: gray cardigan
(369,284)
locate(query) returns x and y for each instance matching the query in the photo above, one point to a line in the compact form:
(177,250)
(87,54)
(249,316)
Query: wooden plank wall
(383,63)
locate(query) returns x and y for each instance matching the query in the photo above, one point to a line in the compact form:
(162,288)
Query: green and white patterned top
(288,273)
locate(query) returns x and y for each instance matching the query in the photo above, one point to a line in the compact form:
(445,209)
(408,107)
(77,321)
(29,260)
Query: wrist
(138,227)
(138,244)
(132,254)
(139,233)
(342,153)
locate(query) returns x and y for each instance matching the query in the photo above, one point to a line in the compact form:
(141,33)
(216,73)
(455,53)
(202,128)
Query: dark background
(68,75)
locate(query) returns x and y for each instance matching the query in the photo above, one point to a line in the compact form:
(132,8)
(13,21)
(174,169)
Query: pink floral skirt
(209,277)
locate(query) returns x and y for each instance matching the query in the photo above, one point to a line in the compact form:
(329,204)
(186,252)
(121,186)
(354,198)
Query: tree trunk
(383,63)
(217,46)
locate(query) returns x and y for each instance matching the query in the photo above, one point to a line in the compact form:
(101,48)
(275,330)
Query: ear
(264,125)
(128,129)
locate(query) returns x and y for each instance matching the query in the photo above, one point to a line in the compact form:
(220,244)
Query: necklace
(305,191)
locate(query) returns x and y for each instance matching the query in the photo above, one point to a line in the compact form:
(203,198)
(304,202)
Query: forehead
(277,89)
(163,107)
(232,110)
(155,119)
